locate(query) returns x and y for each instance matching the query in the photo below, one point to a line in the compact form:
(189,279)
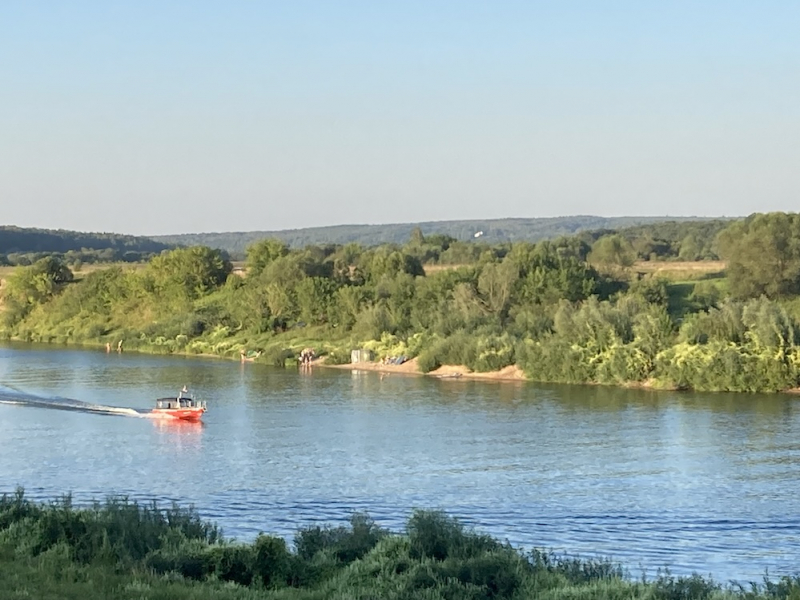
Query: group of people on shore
(306,356)
(119,347)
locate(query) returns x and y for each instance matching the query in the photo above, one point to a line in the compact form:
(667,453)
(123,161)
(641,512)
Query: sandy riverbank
(510,373)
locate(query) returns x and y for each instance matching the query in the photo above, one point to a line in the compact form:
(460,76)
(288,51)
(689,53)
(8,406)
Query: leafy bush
(192,560)
(493,353)
(338,356)
(346,544)
(88,553)
(436,535)
(233,563)
(652,290)
(458,349)
(277,356)
(271,561)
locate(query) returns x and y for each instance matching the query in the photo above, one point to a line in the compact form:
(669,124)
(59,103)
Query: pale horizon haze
(181,117)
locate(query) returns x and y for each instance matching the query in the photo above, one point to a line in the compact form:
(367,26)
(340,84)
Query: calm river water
(693,482)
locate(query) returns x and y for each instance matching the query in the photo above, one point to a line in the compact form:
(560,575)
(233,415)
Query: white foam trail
(114,410)
(19,398)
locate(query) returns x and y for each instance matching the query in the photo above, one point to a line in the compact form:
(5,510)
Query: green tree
(612,251)
(193,271)
(691,247)
(496,283)
(349,301)
(261,254)
(30,286)
(763,254)
(387,262)
(548,274)
(315,296)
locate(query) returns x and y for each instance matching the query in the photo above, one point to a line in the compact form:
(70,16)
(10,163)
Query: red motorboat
(183,407)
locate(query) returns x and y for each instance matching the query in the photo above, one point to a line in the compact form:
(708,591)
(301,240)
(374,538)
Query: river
(706,483)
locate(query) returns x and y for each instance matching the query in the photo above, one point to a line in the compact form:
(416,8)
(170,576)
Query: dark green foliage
(552,272)
(271,561)
(346,544)
(32,286)
(666,587)
(21,240)
(117,530)
(16,508)
(652,290)
(190,560)
(233,563)
(263,253)
(51,551)
(434,534)
(705,295)
(612,251)
(763,254)
(457,349)
(278,356)
(189,271)
(687,239)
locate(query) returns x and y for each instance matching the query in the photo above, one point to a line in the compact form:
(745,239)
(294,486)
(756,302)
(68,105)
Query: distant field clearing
(698,266)
(436,268)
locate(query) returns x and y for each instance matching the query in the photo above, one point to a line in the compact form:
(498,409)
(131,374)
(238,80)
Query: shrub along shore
(128,551)
(584,309)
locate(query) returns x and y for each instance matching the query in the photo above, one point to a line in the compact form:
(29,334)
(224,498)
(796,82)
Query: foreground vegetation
(124,550)
(573,310)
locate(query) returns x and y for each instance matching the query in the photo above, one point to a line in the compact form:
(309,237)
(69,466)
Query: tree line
(31,240)
(565,310)
(492,231)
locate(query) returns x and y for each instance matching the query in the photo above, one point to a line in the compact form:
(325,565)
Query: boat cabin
(175,403)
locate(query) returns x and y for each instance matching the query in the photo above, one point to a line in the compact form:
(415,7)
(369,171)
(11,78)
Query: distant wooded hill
(493,231)
(107,246)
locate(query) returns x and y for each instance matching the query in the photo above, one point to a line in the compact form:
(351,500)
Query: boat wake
(19,398)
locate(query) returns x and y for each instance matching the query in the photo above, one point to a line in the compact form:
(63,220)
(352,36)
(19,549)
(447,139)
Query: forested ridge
(577,309)
(492,231)
(23,246)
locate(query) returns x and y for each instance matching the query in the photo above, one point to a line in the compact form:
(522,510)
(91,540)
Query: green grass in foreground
(123,550)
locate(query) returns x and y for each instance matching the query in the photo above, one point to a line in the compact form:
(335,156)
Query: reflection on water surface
(705,482)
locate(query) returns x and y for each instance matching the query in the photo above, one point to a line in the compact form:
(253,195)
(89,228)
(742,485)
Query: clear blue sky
(165,117)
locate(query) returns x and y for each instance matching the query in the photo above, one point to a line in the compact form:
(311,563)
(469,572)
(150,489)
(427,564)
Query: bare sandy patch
(409,367)
(509,373)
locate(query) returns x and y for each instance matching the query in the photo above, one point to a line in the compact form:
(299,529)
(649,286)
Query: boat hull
(183,414)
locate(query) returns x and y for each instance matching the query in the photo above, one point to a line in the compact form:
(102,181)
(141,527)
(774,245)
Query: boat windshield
(182,401)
